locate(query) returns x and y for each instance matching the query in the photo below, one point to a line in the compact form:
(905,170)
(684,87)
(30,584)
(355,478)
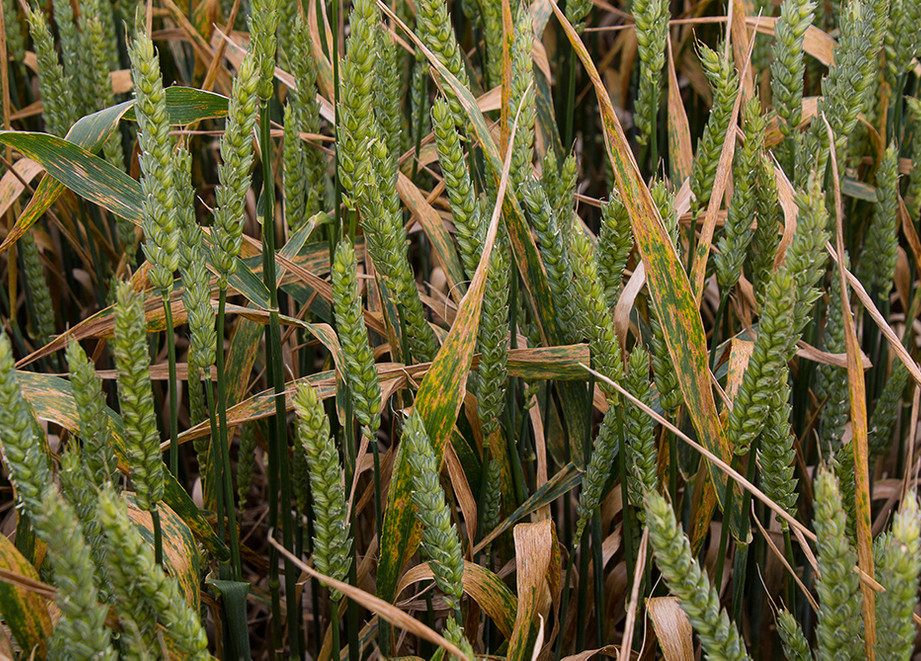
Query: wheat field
(355,329)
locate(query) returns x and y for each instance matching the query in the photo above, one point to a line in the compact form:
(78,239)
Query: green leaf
(184,104)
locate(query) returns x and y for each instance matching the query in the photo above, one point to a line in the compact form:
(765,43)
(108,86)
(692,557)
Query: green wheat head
(724,84)
(599,468)
(615,242)
(651,34)
(440,542)
(159,223)
(133,568)
(898,564)
(492,342)
(738,230)
(54,84)
(639,428)
(94,430)
(554,251)
(459,186)
(839,633)
(434,27)
(331,542)
(795,645)
(595,320)
(879,252)
(776,454)
(358,360)
(234,172)
(24,451)
(142,440)
(81,631)
(699,600)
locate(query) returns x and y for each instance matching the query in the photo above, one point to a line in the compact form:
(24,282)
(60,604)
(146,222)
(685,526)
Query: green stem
(334,627)
(741,570)
(717,323)
(672,466)
(173,410)
(569,111)
(788,552)
(223,444)
(158,534)
(378,512)
(214,465)
(334,56)
(564,606)
(724,537)
(582,606)
(598,574)
(629,554)
(277,436)
(898,103)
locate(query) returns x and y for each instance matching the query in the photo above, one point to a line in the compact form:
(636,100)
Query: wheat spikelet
(718,635)
(331,542)
(840,630)
(766,369)
(24,451)
(576,12)
(639,428)
(81,632)
(776,454)
(664,371)
(246,461)
(724,83)
(133,568)
(142,440)
(521,98)
(596,322)
(304,168)
(555,253)
(886,412)
(795,645)
(600,465)
(54,84)
(787,68)
(763,247)
(94,430)
(234,172)
(738,231)
(492,342)
(15,42)
(360,372)
(440,542)
(615,241)
(459,185)
(651,33)
(832,380)
(263,25)
(40,295)
(879,251)
(898,563)
(161,232)
(806,256)
(74,56)
(387,93)
(434,27)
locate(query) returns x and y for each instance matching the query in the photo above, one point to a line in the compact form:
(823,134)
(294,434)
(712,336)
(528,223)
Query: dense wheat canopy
(504,329)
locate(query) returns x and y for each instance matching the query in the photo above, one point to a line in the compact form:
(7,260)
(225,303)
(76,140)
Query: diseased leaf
(22,610)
